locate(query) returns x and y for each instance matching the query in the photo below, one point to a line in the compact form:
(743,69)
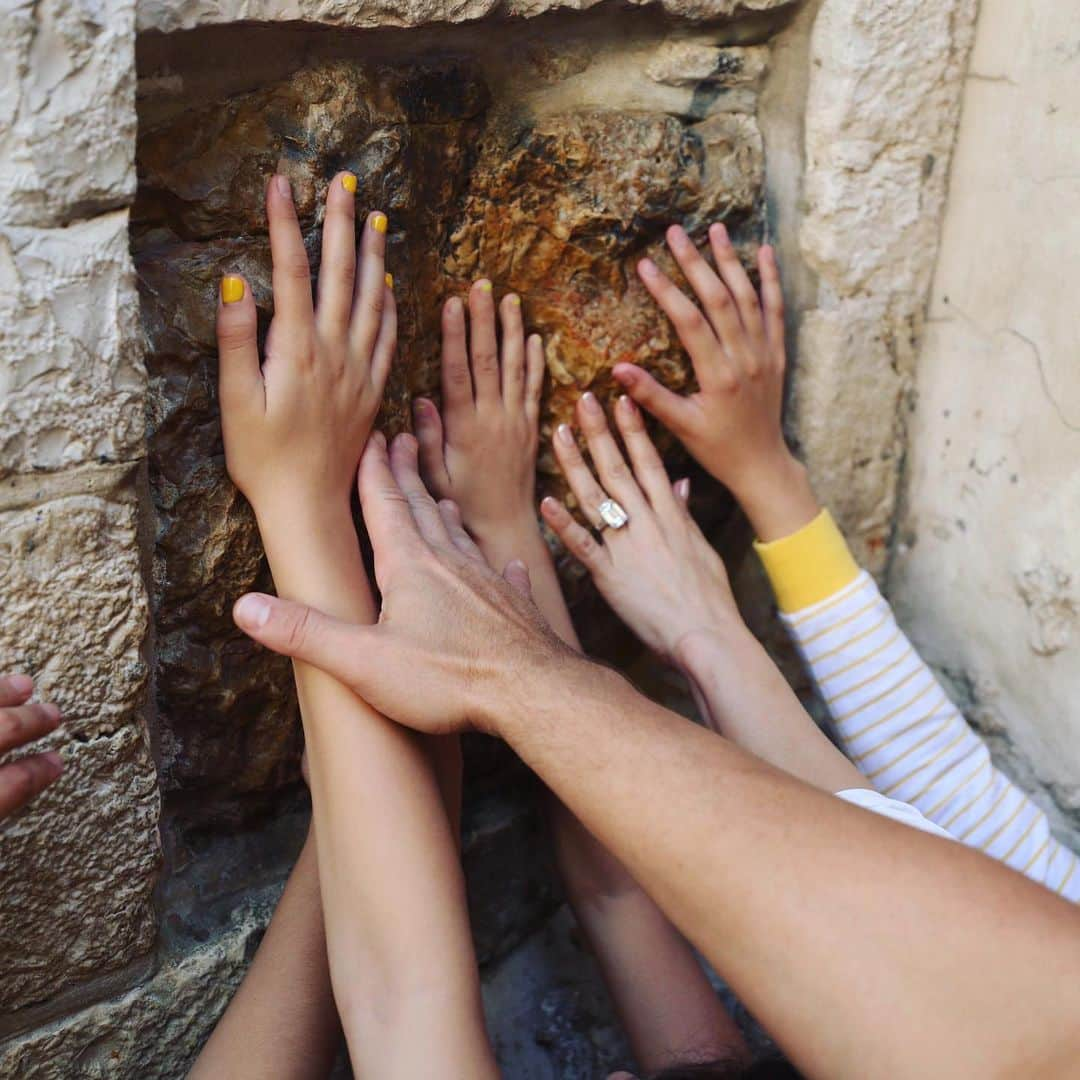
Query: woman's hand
(736,344)
(294,430)
(658,572)
(481,452)
(22,780)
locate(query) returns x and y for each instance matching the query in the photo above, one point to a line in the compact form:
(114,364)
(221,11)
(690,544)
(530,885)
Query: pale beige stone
(67,109)
(79,870)
(71,372)
(688,63)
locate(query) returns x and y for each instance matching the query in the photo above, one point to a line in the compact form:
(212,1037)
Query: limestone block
(74,608)
(67,109)
(79,869)
(168,15)
(689,63)
(71,373)
(155,1031)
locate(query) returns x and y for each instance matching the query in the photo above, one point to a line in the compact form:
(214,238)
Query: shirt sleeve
(892,808)
(893,718)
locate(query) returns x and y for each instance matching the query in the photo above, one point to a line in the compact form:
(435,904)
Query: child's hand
(658,572)
(294,430)
(732,424)
(482,452)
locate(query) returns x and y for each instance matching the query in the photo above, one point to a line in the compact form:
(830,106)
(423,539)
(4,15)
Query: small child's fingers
(694,330)
(382,354)
(456,381)
(23,724)
(451,515)
(23,779)
(292,271)
(15,689)
(513,351)
(535,369)
(615,475)
(740,286)
(337,270)
(581,543)
(671,409)
(772,299)
(239,376)
(429,434)
(369,295)
(648,467)
(483,344)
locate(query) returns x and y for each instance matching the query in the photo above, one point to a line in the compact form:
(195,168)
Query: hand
(455,642)
(658,572)
(482,452)
(20,724)
(294,431)
(736,344)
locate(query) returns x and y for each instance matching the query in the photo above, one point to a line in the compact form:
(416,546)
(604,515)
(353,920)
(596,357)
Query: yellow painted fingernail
(348,182)
(484,284)
(232,290)
(379,223)
(515,300)
(389,280)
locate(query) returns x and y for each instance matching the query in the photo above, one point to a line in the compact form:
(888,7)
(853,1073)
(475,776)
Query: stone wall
(546,147)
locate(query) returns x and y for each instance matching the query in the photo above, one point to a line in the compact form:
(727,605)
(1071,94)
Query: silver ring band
(612,515)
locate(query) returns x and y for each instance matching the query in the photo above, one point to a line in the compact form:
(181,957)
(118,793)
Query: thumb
(517,574)
(341,649)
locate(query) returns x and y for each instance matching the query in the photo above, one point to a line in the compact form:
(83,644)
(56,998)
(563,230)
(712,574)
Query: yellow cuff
(810,565)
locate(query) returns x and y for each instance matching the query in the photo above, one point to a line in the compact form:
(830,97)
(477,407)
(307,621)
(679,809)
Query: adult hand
(731,425)
(20,724)
(454,640)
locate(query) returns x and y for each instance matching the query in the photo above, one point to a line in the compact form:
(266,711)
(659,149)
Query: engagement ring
(612,514)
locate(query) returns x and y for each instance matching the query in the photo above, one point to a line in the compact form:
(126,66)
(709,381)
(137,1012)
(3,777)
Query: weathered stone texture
(79,870)
(67,117)
(71,380)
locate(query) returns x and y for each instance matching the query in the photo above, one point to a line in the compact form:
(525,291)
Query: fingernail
(484,285)
(379,439)
(514,299)
(719,232)
(627,405)
(682,489)
(379,222)
(588,400)
(625,375)
(52,712)
(565,435)
(232,290)
(21,684)
(348,182)
(389,279)
(647,268)
(55,760)
(283,186)
(251,612)
(548,503)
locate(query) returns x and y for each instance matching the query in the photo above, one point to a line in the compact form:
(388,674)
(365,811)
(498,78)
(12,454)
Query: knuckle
(295,265)
(11,727)
(485,359)
(298,630)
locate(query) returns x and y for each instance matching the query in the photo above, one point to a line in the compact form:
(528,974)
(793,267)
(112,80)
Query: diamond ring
(612,515)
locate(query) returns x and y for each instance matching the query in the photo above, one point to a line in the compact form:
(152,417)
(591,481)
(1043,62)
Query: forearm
(282,1021)
(401,955)
(864,918)
(747,699)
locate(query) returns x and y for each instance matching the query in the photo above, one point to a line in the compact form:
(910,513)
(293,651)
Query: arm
(400,956)
(482,455)
(863,946)
(890,713)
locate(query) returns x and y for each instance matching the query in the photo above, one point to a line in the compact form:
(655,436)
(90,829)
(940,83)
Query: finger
(483,346)
(457,385)
(370,294)
(648,467)
(715,298)
(741,288)
(239,377)
(455,527)
(535,369)
(517,576)
(382,354)
(690,324)
(772,299)
(346,651)
(337,270)
(292,272)
(513,351)
(24,724)
(429,434)
(681,489)
(581,543)
(404,466)
(22,780)
(389,522)
(15,689)
(578,475)
(672,410)
(615,475)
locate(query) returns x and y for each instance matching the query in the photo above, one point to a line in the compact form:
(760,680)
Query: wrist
(776,496)
(696,652)
(516,537)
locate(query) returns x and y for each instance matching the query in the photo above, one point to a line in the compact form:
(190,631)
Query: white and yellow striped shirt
(892,716)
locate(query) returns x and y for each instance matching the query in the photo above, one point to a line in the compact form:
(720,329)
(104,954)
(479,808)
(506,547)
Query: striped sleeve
(897,724)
